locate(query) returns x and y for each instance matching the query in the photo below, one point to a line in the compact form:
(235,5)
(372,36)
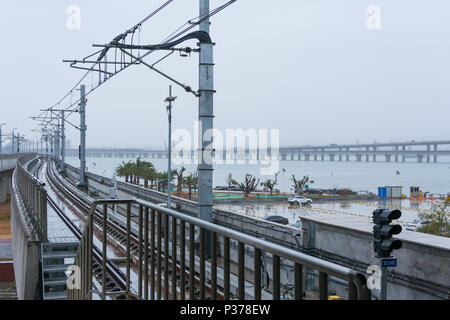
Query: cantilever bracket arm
(201,36)
(185,87)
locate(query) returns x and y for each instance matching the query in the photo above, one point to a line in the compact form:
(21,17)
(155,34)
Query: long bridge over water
(422,152)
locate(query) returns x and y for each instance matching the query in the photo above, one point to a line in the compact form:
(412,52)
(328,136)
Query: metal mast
(63,142)
(82,183)
(205,116)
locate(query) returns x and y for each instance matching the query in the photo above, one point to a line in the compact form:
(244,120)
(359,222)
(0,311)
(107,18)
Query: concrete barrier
(423,270)
(25,246)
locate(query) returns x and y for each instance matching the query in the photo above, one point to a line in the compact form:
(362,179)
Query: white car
(299,200)
(416,224)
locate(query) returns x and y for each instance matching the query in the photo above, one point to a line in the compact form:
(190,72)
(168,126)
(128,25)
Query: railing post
(257,273)
(276,277)
(104,250)
(191,262)
(213,266)
(183,261)
(226,268)
(241,271)
(44,215)
(90,252)
(128,250)
(323,286)
(146,254)
(298,281)
(141,209)
(174,258)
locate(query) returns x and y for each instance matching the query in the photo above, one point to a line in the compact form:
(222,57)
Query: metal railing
(157,244)
(33,195)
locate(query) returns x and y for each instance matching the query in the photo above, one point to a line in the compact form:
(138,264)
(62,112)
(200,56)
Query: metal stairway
(56,258)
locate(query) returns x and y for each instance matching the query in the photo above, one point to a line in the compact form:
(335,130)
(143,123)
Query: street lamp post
(169,99)
(12,141)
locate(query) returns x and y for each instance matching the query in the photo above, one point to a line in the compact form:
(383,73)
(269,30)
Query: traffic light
(383,231)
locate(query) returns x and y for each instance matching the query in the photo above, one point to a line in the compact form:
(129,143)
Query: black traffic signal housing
(383,231)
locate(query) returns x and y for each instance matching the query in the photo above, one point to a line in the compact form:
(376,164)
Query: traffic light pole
(384,244)
(383,291)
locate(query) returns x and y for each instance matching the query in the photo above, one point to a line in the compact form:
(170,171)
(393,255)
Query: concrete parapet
(423,261)
(25,248)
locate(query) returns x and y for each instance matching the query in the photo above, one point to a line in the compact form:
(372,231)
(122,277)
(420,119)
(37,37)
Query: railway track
(116,280)
(116,233)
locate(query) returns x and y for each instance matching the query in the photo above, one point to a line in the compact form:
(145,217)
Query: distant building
(390,192)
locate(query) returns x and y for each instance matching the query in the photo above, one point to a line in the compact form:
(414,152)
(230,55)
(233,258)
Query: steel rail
(111,269)
(98,219)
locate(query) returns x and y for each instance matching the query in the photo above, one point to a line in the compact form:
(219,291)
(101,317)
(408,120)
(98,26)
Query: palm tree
(148,174)
(144,170)
(125,170)
(190,181)
(179,175)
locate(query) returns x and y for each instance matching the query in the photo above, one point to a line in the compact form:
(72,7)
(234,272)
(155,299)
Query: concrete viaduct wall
(25,247)
(423,262)
(7,164)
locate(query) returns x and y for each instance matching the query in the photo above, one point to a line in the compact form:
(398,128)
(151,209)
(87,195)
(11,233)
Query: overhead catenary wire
(137,60)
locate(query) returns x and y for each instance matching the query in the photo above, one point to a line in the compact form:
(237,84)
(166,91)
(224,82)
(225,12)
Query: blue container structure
(382,192)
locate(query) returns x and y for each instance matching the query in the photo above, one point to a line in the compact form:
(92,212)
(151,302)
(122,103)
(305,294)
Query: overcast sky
(311,68)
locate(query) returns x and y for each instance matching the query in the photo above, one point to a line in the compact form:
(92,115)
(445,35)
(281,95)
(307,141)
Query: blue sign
(389,263)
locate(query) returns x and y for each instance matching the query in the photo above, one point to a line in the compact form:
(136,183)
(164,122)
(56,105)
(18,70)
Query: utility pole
(63,143)
(51,145)
(169,99)
(57,145)
(82,183)
(206,116)
(1,136)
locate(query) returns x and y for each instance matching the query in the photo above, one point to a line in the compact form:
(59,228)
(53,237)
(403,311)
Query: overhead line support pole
(63,142)
(83,181)
(206,116)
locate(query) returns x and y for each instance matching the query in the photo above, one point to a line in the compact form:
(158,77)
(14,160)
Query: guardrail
(158,220)
(33,195)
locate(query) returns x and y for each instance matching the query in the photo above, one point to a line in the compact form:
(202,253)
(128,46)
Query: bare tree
(299,185)
(248,185)
(230,181)
(270,184)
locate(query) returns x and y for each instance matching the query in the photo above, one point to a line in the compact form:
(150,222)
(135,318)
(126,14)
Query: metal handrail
(161,250)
